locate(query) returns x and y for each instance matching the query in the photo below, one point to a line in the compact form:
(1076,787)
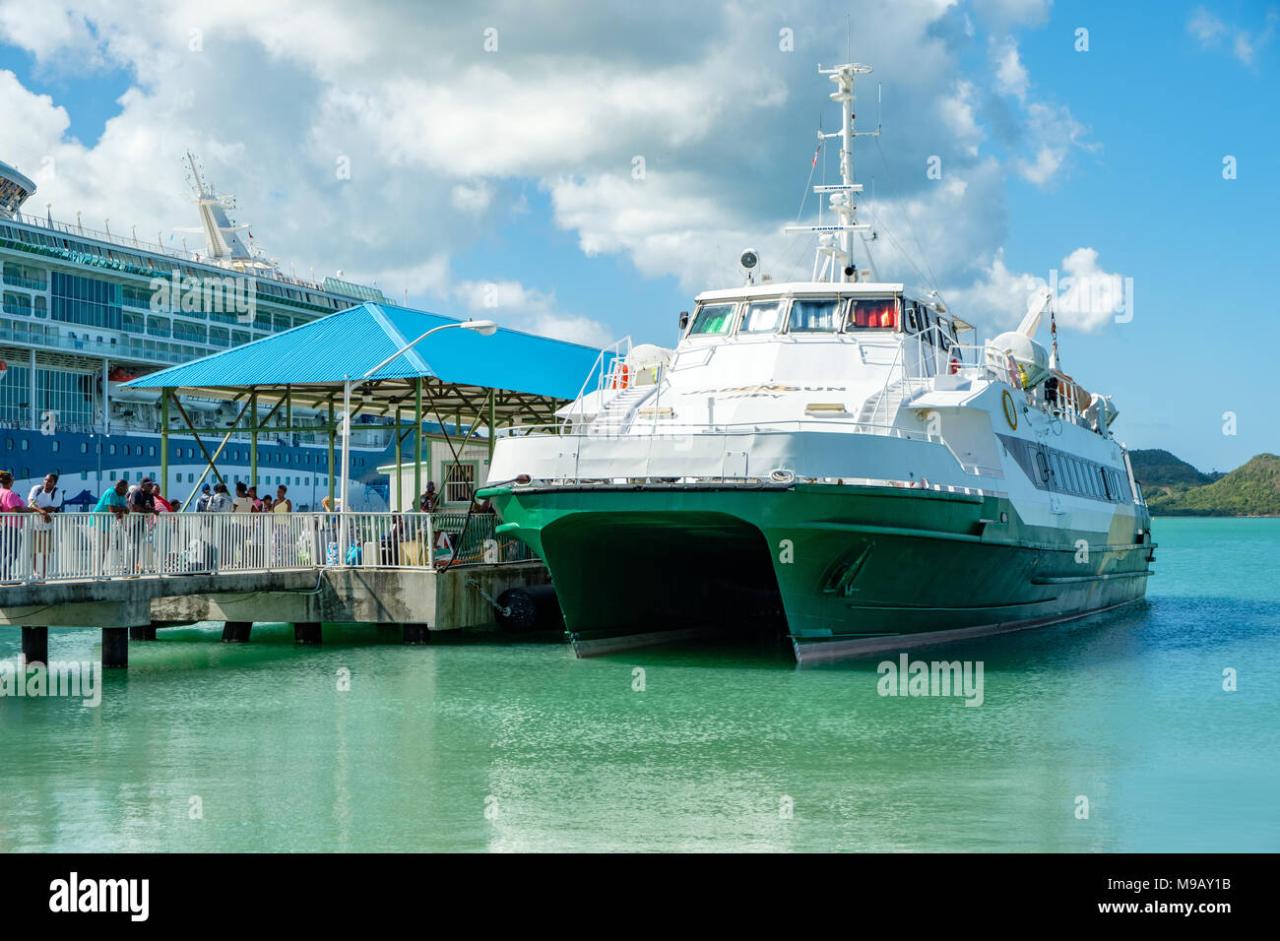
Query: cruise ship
(86,310)
(836,460)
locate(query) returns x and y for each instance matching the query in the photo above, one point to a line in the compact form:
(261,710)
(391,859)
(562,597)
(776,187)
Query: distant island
(1175,488)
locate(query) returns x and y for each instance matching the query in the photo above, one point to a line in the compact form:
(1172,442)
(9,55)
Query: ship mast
(222,236)
(834,258)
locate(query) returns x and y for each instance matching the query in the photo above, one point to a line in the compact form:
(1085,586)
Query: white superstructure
(842,379)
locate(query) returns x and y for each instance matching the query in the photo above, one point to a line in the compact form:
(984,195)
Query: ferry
(837,460)
(85,310)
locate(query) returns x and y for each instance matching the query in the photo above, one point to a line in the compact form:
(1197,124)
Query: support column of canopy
(333,430)
(492,416)
(398,490)
(253,439)
(417,438)
(164,440)
(346,470)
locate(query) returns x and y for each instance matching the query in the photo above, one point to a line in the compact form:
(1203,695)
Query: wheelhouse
(725,317)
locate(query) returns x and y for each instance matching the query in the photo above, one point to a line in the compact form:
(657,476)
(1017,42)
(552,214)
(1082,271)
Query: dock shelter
(401,366)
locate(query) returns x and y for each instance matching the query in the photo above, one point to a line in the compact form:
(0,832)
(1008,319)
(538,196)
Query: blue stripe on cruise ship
(347,344)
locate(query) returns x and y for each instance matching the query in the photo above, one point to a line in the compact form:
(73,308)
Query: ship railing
(80,546)
(662,429)
(78,230)
(605,371)
(725,452)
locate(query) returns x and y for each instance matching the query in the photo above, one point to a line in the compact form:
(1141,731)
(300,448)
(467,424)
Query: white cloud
(1053,133)
(283,100)
(513,304)
(1205,26)
(1210,31)
(959,118)
(471,197)
(582,330)
(1087,297)
(1006,13)
(1011,75)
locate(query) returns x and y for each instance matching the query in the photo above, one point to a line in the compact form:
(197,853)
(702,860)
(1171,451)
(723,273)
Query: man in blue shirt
(112,502)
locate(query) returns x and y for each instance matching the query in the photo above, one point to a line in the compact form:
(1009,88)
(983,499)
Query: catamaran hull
(840,570)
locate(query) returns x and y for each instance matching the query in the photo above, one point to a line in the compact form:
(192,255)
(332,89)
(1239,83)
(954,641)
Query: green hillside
(1250,490)
(1157,468)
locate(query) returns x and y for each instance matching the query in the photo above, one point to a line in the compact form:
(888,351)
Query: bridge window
(762,317)
(712,319)
(874,314)
(912,320)
(813,316)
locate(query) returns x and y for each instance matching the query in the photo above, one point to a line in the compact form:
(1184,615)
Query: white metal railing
(679,429)
(101,545)
(605,372)
(156,248)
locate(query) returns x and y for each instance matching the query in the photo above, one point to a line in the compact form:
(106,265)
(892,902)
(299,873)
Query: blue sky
(500,181)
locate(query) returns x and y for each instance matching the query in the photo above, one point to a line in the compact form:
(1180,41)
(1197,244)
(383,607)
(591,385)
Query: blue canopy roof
(347,344)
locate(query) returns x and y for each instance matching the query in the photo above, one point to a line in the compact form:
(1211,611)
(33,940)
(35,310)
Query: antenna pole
(835,240)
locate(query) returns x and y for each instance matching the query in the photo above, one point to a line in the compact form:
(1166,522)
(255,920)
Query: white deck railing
(99,545)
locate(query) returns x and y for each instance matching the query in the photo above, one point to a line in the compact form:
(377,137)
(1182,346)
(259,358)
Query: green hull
(834,567)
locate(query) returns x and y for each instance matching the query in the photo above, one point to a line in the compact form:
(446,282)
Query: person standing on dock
(45,497)
(243,503)
(11,532)
(142,500)
(202,503)
(220,501)
(113,502)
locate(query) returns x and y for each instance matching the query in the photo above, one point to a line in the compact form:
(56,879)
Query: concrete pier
(419,601)
(307,633)
(415,634)
(115,647)
(35,644)
(236,632)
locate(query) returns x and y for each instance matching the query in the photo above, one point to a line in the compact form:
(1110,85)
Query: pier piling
(415,634)
(236,632)
(35,644)
(143,632)
(306,632)
(115,647)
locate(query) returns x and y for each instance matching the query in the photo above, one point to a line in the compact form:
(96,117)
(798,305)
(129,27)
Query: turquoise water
(482,746)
